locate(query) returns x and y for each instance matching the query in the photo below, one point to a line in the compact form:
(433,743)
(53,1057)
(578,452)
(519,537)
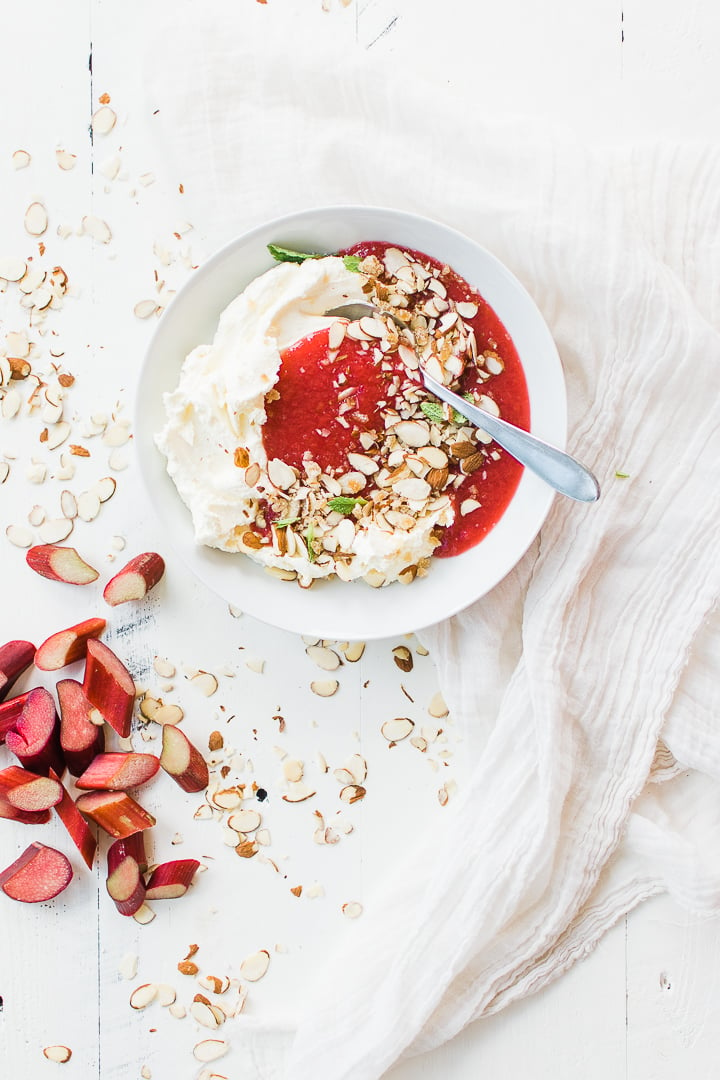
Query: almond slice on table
(58,1054)
(255,966)
(36,219)
(397,729)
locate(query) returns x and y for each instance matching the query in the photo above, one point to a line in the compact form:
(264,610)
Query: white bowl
(335,609)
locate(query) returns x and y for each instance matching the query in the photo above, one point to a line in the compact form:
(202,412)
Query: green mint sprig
(345,504)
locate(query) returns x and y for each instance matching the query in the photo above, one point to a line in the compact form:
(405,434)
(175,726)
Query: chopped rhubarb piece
(134,846)
(136,579)
(23,790)
(118,771)
(80,738)
(75,824)
(124,882)
(60,564)
(171,879)
(183,761)
(9,712)
(27,817)
(67,646)
(115,812)
(35,738)
(39,874)
(108,685)
(15,657)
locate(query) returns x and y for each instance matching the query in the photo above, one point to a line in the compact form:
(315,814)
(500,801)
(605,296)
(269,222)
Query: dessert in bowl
(302,449)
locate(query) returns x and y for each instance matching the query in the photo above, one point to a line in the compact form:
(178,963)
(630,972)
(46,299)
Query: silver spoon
(555,467)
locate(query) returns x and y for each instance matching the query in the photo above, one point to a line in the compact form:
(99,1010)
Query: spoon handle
(556,468)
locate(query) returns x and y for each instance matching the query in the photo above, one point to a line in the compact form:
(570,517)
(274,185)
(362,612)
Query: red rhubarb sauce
(303,422)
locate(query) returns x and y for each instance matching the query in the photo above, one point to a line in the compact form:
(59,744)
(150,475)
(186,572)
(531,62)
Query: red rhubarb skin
(15,657)
(108,685)
(39,874)
(179,872)
(149,566)
(76,825)
(118,772)
(115,812)
(77,650)
(9,712)
(132,846)
(25,817)
(16,789)
(80,739)
(131,896)
(194,777)
(35,738)
(39,559)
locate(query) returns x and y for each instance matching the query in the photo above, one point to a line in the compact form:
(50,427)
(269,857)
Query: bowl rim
(334,628)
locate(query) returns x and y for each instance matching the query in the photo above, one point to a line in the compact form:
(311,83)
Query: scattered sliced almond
(127,968)
(178,1011)
(324,687)
(57,435)
(244,821)
(254,967)
(36,219)
(353,909)
(59,1054)
(168,714)
(65,160)
(68,504)
(55,530)
(437,706)
(205,682)
(19,535)
(293,770)
(144,915)
(166,995)
(104,489)
(21,159)
(352,793)
(204,1015)
(403,657)
(96,228)
(324,658)
(103,120)
(397,729)
(12,268)
(144,309)
(298,792)
(210,1050)
(5,472)
(143,995)
(163,668)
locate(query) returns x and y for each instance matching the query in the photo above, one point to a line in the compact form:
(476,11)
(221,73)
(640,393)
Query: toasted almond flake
(65,160)
(255,664)
(403,657)
(246,849)
(145,1073)
(19,535)
(178,1011)
(324,658)
(205,682)
(21,159)
(210,1050)
(118,459)
(188,967)
(421,650)
(437,706)
(352,793)
(466,310)
(36,219)
(324,687)
(127,968)
(443,795)
(363,464)
(58,435)
(413,489)
(37,515)
(96,228)
(357,767)
(88,506)
(59,1054)
(228,799)
(104,489)
(419,743)
(166,995)
(280,474)
(144,915)
(255,966)
(103,120)
(55,530)
(163,668)
(244,821)
(144,309)
(116,434)
(397,729)
(143,995)
(12,268)
(336,334)
(110,167)
(353,909)
(298,792)
(10,404)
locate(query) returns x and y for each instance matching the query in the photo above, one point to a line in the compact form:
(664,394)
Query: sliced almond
(168,714)
(298,792)
(36,219)
(412,432)
(357,767)
(414,489)
(144,915)
(353,651)
(5,472)
(163,668)
(37,515)
(255,966)
(403,657)
(59,1054)
(57,435)
(12,268)
(96,228)
(103,120)
(144,309)
(166,995)
(324,658)
(353,909)
(293,770)
(364,464)
(352,793)
(88,506)
(178,1011)
(68,504)
(397,729)
(55,530)
(143,995)
(324,687)
(65,160)
(204,1015)
(280,474)
(466,309)
(210,1050)
(21,159)
(437,706)
(205,682)
(105,488)
(20,536)
(336,334)
(116,434)
(244,821)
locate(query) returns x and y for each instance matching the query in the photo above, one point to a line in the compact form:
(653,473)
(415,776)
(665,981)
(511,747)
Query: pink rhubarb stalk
(171,879)
(108,685)
(35,738)
(39,874)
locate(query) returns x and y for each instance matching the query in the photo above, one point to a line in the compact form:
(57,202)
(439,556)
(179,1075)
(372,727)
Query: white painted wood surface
(645,1004)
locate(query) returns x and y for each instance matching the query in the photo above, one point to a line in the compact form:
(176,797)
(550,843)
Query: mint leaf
(433,410)
(283,254)
(309,538)
(345,504)
(352,262)
(282,522)
(622,475)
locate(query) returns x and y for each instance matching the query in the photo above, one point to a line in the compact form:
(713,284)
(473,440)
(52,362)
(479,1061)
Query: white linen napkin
(583,682)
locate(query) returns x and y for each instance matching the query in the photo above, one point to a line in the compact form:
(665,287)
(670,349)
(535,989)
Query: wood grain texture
(644,1005)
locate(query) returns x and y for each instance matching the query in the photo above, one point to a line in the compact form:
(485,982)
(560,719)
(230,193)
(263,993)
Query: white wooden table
(645,1004)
